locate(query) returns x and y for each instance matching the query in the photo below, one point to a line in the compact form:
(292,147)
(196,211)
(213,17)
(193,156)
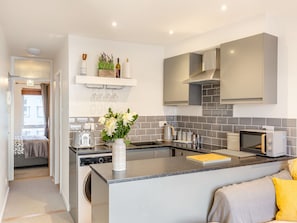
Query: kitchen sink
(144,143)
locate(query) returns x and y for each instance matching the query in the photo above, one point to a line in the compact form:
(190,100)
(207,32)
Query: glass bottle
(83,68)
(118,68)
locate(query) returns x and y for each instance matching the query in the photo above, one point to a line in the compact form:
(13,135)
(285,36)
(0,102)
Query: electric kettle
(168,132)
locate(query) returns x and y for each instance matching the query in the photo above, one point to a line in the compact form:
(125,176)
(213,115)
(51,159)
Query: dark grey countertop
(160,167)
(105,149)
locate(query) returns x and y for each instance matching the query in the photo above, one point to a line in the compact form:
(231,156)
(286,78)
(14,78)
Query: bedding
(31,146)
(30,151)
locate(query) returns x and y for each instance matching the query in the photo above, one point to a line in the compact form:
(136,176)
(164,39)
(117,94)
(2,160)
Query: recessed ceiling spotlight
(171,32)
(114,24)
(33,51)
(223,7)
(232,51)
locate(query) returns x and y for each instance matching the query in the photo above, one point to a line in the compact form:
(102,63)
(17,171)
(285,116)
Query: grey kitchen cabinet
(162,152)
(140,154)
(176,70)
(181,152)
(249,70)
(148,153)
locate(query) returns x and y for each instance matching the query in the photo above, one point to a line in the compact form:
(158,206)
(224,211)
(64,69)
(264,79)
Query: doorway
(27,75)
(31,129)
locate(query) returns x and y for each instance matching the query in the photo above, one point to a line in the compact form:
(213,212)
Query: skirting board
(66,202)
(4,204)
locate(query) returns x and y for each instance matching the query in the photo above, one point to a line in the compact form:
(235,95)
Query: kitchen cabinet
(149,153)
(163,152)
(181,152)
(140,154)
(176,70)
(104,82)
(249,70)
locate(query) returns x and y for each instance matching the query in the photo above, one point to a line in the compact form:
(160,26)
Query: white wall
(61,65)
(146,66)
(4,68)
(281,25)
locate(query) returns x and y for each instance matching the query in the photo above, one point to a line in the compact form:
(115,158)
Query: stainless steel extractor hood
(210,69)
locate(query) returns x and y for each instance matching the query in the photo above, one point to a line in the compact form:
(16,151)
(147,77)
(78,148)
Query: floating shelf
(105,82)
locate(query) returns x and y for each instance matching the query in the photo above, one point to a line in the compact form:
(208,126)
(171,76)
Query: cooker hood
(210,69)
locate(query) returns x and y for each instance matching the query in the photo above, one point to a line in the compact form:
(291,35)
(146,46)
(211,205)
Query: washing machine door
(87,187)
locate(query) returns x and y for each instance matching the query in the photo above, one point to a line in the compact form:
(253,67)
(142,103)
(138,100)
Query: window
(33,116)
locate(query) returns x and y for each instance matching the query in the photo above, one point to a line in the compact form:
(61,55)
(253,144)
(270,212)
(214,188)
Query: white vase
(119,155)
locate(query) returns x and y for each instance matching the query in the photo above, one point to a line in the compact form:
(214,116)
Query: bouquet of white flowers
(116,125)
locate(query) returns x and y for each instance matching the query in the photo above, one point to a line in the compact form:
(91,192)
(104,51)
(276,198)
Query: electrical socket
(162,123)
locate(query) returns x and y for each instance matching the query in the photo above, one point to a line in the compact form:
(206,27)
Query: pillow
(286,194)
(293,168)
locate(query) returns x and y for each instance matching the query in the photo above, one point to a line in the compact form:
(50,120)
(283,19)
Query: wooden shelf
(104,82)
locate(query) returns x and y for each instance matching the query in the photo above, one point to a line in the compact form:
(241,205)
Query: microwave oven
(263,142)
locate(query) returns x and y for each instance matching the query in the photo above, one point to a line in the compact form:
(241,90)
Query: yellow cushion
(286,199)
(293,168)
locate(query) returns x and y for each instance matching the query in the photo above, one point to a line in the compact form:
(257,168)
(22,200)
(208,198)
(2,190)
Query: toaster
(83,139)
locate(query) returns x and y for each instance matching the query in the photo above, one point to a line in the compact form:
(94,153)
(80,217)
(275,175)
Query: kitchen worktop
(160,167)
(107,149)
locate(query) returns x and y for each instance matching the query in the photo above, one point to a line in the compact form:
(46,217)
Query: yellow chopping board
(209,158)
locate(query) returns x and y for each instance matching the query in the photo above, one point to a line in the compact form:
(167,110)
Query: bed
(30,151)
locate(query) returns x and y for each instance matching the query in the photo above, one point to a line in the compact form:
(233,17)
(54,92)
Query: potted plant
(106,65)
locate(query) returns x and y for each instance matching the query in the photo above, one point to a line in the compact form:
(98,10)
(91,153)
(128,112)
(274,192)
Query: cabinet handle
(263,139)
(243,99)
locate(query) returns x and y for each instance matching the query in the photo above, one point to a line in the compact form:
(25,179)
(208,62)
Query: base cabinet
(249,70)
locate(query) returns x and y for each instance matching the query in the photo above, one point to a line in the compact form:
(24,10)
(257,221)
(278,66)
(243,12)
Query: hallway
(34,200)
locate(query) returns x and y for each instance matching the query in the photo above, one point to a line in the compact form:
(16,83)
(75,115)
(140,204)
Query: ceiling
(44,24)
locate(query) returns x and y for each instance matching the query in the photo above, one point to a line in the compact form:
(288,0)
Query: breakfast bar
(170,189)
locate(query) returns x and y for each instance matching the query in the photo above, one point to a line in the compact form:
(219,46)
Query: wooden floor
(31,172)
(34,198)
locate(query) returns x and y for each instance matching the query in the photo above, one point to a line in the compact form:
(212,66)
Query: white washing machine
(80,191)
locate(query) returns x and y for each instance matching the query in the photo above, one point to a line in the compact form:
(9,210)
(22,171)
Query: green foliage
(105,62)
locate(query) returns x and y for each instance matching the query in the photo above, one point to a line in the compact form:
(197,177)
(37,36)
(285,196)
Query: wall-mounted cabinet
(176,70)
(101,82)
(249,70)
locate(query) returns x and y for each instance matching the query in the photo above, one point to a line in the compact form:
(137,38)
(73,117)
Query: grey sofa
(247,202)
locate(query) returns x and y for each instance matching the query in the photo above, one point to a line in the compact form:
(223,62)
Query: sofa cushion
(251,201)
(286,194)
(293,168)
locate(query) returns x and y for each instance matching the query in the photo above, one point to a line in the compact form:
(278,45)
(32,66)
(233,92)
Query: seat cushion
(286,194)
(293,168)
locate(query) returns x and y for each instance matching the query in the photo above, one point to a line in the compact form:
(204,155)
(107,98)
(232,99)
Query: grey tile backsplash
(212,126)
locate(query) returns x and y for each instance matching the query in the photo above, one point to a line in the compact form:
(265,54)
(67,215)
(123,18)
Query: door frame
(10,147)
(12,81)
(57,126)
